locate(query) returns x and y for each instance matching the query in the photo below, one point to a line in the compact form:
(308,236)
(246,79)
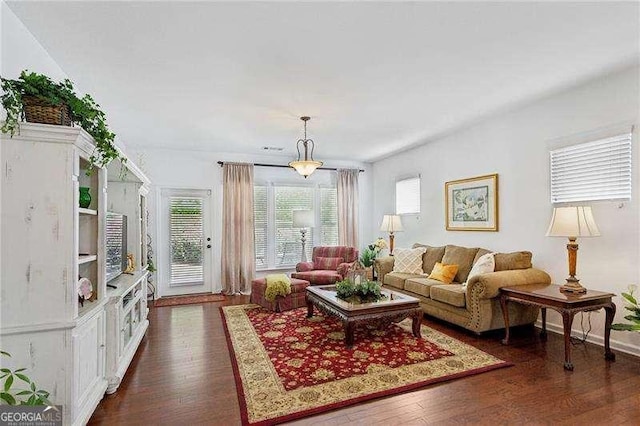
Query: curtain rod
(287,167)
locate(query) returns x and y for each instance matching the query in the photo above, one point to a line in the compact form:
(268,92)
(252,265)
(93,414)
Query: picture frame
(472,204)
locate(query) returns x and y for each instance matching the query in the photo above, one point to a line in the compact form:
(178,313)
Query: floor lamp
(573,222)
(303,219)
(391,223)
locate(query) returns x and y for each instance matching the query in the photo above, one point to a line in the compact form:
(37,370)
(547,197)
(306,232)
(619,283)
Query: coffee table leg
(505,314)
(567,320)
(309,308)
(611,312)
(543,333)
(417,320)
(349,327)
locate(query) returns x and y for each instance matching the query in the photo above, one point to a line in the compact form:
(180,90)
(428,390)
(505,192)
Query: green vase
(85,197)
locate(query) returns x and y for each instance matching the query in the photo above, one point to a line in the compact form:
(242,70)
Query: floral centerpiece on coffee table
(361,292)
(370,253)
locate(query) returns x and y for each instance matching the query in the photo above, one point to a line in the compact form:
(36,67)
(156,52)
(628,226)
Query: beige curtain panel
(238,259)
(348,207)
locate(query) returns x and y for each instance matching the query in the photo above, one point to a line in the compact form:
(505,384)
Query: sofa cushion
(461,256)
(430,257)
(512,261)
(397,279)
(483,265)
(444,273)
(481,252)
(451,294)
(408,261)
(420,286)
(328,262)
(318,276)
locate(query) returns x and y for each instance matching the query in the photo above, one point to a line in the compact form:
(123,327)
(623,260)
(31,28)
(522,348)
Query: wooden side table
(567,304)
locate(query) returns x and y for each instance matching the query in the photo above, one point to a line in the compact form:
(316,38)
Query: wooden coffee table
(567,304)
(394,308)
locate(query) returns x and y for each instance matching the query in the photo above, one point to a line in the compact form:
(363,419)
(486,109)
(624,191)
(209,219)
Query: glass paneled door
(186,263)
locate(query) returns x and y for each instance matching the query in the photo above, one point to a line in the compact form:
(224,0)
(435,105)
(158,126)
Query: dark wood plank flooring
(182,374)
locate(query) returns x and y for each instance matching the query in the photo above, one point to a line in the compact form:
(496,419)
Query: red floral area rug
(288,366)
(187,300)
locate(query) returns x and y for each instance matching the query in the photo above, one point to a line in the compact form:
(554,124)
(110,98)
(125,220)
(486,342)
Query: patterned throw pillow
(485,263)
(328,262)
(408,261)
(444,273)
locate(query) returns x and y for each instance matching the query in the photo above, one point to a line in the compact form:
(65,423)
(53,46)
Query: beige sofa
(475,306)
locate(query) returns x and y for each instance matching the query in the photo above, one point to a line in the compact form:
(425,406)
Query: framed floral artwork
(472,204)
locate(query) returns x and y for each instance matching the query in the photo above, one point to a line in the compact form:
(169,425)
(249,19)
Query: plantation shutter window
(592,171)
(287,238)
(187,240)
(277,242)
(260,220)
(408,196)
(328,216)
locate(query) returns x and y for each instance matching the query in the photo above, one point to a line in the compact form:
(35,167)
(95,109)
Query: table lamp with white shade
(573,222)
(303,219)
(391,223)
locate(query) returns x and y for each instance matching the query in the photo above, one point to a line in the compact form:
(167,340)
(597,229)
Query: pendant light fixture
(308,165)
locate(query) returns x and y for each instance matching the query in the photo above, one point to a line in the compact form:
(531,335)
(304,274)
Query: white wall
(515,145)
(199,170)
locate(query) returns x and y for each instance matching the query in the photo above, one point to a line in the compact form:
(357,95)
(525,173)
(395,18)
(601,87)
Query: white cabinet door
(89,363)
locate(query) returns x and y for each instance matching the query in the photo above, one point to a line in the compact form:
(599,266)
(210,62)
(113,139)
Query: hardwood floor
(182,374)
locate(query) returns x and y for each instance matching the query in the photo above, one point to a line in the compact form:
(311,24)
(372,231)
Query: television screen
(116,233)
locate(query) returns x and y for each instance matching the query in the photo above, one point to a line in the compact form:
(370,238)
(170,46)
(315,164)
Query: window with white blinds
(260,224)
(408,196)
(277,241)
(187,240)
(598,170)
(328,217)
(288,244)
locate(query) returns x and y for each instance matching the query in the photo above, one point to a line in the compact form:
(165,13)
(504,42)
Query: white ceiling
(374,77)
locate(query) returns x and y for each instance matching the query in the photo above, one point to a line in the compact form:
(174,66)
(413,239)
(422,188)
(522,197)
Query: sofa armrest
(304,267)
(345,268)
(487,286)
(383,265)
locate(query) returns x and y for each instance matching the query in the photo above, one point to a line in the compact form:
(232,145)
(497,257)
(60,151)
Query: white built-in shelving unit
(75,350)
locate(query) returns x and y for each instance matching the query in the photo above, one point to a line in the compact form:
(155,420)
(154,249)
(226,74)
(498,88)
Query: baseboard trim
(593,338)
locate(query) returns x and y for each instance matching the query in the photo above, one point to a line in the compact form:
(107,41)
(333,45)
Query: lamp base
(573,286)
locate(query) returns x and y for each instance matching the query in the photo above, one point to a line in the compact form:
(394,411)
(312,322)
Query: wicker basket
(37,111)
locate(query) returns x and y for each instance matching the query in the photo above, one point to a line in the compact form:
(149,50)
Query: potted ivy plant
(36,98)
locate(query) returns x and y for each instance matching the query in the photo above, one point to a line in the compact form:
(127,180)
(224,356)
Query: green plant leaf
(8,398)
(5,353)
(23,377)
(632,319)
(33,386)
(5,370)
(630,298)
(19,370)
(626,327)
(8,383)
(24,392)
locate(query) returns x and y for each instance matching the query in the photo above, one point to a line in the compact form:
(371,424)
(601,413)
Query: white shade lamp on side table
(573,222)
(391,223)
(303,219)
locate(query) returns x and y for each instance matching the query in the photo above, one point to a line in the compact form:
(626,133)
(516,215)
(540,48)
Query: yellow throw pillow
(444,273)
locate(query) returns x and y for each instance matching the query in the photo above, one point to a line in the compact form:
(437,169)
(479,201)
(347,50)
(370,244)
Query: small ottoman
(291,301)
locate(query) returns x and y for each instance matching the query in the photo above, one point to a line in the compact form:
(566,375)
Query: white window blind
(277,242)
(328,217)
(287,238)
(260,219)
(187,240)
(408,196)
(598,170)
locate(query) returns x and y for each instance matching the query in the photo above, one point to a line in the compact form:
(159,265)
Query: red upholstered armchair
(329,264)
